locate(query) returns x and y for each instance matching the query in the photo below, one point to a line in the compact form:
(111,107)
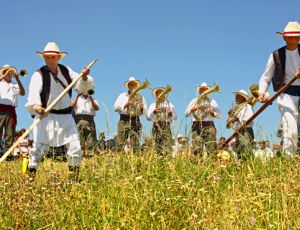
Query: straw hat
(154,91)
(51,49)
(3,70)
(242,93)
(131,79)
(292,29)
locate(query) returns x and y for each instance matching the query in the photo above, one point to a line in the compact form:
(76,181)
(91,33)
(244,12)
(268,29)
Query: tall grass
(150,192)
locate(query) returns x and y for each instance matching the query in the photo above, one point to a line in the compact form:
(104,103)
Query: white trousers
(74,153)
(288,106)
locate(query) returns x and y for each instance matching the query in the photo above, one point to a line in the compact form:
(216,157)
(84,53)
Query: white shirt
(85,106)
(292,63)
(121,102)
(245,113)
(164,105)
(9,93)
(53,129)
(213,105)
(36,85)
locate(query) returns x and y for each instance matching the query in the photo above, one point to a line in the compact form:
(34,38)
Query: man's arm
(21,88)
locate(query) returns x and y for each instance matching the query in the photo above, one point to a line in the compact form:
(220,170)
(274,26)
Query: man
(203,127)
(238,117)
(58,127)
(129,125)
(282,66)
(162,113)
(85,107)
(9,92)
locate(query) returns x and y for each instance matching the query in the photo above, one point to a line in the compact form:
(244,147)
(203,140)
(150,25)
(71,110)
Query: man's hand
(39,109)
(194,108)
(262,97)
(85,72)
(298,74)
(169,113)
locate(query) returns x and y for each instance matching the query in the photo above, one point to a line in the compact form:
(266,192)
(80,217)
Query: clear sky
(176,42)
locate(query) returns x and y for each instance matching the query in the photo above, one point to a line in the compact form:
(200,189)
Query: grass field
(149,192)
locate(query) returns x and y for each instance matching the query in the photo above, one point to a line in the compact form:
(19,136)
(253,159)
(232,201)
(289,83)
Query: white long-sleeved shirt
(245,113)
(36,86)
(213,105)
(9,93)
(84,106)
(53,129)
(121,101)
(292,64)
(165,105)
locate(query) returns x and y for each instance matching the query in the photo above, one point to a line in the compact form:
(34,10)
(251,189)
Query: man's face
(239,99)
(8,76)
(132,85)
(51,60)
(292,40)
(157,93)
(202,89)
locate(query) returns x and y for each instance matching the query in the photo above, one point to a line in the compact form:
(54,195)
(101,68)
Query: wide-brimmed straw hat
(154,91)
(242,93)
(292,29)
(203,85)
(4,69)
(51,49)
(131,79)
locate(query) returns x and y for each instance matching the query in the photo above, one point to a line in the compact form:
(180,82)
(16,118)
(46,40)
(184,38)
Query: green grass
(149,192)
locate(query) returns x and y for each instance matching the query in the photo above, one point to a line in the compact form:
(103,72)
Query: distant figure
(9,92)
(238,117)
(162,113)
(204,111)
(85,107)
(264,152)
(181,146)
(129,125)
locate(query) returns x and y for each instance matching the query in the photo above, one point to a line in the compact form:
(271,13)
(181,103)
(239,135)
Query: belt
(203,124)
(293,90)
(61,111)
(127,118)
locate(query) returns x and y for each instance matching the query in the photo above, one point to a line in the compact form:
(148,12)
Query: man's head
(7,72)
(241,96)
(51,54)
(202,88)
(157,91)
(131,84)
(291,34)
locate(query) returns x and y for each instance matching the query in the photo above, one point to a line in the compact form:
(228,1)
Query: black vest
(47,82)
(279,73)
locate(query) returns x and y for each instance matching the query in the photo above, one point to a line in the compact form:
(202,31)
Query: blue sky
(181,43)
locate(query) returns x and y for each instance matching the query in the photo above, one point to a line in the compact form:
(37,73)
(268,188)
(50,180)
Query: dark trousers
(162,135)
(203,136)
(7,125)
(244,142)
(129,127)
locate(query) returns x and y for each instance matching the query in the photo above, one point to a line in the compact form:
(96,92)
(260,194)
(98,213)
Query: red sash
(9,109)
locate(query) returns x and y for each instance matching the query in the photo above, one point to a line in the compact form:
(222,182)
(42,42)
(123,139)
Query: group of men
(58,127)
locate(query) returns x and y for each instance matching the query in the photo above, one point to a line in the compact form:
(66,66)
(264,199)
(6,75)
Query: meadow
(119,191)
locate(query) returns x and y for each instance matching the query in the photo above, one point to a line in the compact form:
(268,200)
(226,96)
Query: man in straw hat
(129,125)
(161,113)
(9,92)
(203,131)
(238,117)
(58,127)
(283,65)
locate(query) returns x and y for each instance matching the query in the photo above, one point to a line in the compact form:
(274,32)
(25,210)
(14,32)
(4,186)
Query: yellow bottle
(25,164)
